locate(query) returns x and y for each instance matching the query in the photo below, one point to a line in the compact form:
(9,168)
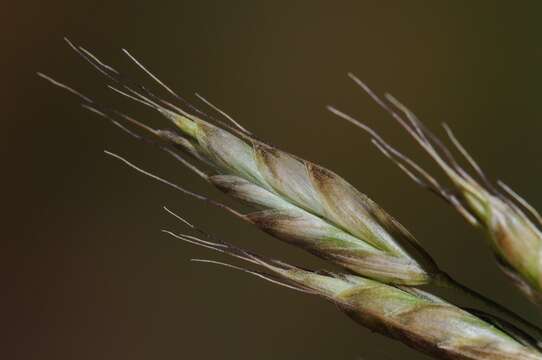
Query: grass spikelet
(512,225)
(418,319)
(295,200)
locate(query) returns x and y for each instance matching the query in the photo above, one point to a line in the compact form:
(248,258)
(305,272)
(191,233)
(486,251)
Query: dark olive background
(89,275)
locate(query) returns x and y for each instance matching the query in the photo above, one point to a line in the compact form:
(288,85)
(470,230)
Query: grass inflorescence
(311,207)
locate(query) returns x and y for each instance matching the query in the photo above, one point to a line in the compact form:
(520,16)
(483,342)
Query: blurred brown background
(89,275)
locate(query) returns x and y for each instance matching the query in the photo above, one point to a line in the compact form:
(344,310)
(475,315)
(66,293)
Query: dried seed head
(512,224)
(311,207)
(418,319)
(302,203)
(515,239)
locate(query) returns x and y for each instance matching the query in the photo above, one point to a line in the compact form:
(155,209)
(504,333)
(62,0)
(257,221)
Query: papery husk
(414,317)
(513,227)
(311,207)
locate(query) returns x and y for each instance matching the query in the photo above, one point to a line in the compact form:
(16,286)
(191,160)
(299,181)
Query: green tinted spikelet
(298,201)
(312,207)
(512,225)
(416,318)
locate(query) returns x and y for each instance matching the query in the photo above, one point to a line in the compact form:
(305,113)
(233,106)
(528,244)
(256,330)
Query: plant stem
(449,282)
